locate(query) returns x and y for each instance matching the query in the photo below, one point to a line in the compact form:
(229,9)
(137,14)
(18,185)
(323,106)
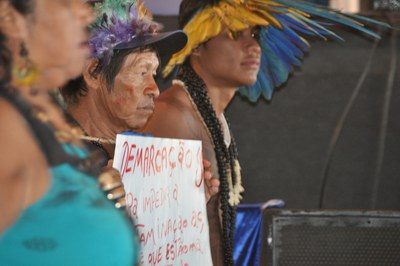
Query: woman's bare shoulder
(11,121)
(14,139)
(21,160)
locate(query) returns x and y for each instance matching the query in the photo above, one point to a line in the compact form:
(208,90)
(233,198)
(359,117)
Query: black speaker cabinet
(329,237)
(391,5)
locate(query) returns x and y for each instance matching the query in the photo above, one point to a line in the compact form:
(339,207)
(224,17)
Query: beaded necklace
(227,157)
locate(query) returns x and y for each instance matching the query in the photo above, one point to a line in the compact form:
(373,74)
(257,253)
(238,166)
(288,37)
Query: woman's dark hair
(25,7)
(77,88)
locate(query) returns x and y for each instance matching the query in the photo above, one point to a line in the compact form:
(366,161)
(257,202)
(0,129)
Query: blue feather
(297,40)
(267,89)
(283,49)
(297,26)
(332,15)
(289,51)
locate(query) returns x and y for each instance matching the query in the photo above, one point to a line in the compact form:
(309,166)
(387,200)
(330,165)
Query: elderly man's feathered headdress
(126,24)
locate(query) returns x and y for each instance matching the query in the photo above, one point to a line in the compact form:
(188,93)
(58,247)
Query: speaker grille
(392,5)
(334,240)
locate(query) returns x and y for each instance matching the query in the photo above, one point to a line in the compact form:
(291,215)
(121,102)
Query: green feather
(113,7)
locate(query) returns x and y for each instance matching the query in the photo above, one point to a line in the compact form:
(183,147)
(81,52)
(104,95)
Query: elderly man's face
(131,100)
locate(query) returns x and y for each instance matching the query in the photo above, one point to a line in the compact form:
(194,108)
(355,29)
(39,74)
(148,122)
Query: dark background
(283,143)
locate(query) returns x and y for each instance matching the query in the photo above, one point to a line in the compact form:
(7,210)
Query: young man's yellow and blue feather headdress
(284,27)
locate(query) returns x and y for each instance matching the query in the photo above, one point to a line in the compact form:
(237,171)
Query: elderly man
(117,89)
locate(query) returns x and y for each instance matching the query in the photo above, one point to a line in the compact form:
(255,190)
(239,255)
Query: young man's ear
(12,23)
(196,51)
(90,75)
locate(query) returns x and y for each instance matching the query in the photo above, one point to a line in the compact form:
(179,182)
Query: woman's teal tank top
(72,224)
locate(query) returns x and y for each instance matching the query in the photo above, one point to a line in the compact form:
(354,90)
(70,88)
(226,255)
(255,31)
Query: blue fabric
(72,224)
(130,133)
(248,232)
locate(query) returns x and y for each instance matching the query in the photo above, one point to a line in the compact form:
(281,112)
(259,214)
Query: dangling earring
(26,73)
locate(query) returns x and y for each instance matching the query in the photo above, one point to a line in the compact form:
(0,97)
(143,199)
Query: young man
(232,44)
(193,108)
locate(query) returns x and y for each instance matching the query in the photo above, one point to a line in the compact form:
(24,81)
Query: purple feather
(114,30)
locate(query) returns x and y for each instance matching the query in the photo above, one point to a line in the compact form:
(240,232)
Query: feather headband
(119,22)
(284,27)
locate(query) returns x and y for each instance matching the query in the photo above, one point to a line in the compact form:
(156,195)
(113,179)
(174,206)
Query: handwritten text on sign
(163,180)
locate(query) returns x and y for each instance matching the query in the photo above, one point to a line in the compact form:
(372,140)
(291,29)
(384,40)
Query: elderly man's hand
(111,182)
(211,182)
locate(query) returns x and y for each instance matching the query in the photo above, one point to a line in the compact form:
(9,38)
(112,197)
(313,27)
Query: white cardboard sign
(163,180)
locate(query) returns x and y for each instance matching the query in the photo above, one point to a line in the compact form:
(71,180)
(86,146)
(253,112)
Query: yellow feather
(215,27)
(301,13)
(199,19)
(205,31)
(256,7)
(233,23)
(168,68)
(268,17)
(243,14)
(265,3)
(142,11)
(199,30)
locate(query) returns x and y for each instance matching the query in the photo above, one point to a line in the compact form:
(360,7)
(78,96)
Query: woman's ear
(12,23)
(90,74)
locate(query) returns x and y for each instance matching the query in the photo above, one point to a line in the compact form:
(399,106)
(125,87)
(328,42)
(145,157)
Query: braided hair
(225,156)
